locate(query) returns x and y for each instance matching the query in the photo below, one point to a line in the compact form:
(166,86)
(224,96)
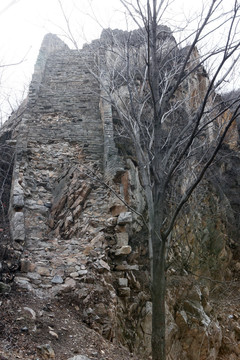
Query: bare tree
(170,110)
(174,126)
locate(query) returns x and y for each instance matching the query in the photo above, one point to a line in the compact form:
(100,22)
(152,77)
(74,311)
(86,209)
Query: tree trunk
(158,297)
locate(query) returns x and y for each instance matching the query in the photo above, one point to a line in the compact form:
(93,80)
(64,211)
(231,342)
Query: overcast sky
(23,24)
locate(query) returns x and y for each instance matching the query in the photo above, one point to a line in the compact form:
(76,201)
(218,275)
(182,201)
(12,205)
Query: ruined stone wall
(69,91)
(74,238)
(62,115)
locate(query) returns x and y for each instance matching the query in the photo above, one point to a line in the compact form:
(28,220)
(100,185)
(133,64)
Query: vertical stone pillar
(112,163)
(16,209)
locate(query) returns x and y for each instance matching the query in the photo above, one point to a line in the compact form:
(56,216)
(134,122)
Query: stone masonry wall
(62,113)
(63,219)
(73,236)
(67,90)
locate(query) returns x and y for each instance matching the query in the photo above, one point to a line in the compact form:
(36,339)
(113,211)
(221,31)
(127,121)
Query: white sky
(23,24)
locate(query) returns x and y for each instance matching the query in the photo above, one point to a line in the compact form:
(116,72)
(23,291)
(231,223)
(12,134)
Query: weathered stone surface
(69,285)
(74,275)
(18,228)
(25,265)
(182,320)
(21,280)
(42,270)
(23,283)
(124,218)
(112,221)
(33,276)
(57,279)
(104,265)
(147,324)
(123,282)
(195,294)
(196,309)
(98,240)
(18,201)
(124,291)
(122,239)
(82,272)
(126,267)
(124,250)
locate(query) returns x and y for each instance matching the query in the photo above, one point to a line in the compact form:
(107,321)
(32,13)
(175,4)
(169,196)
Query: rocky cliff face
(73,238)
